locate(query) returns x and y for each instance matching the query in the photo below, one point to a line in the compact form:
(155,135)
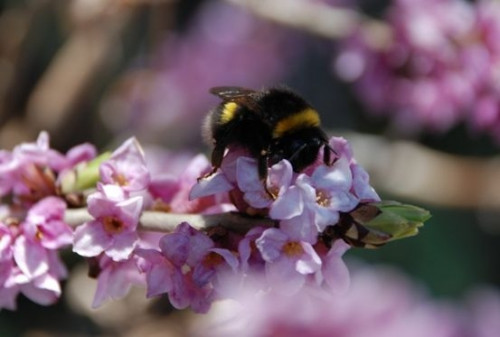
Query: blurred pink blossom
(28,253)
(379,302)
(223,45)
(440,69)
(29,172)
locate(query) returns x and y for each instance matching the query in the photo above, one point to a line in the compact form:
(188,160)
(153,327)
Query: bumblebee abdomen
(303,119)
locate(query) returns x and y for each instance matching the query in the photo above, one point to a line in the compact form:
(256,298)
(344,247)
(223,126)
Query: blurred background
(418,100)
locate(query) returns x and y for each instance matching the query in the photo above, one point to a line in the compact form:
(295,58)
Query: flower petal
(90,239)
(122,246)
(30,257)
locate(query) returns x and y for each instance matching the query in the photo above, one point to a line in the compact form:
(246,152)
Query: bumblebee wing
(230,93)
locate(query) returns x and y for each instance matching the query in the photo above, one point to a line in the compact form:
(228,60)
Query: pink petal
(301,228)
(130,211)
(122,246)
(247,175)
(310,262)
(174,247)
(288,205)
(334,269)
(30,257)
(45,291)
(8,297)
(90,239)
(270,243)
(283,277)
(213,184)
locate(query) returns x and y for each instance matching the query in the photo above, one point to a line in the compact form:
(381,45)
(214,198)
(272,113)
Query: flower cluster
(292,239)
(189,263)
(440,68)
(121,255)
(296,252)
(32,228)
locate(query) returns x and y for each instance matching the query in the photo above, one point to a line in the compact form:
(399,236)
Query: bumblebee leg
(217,156)
(327,152)
(263,167)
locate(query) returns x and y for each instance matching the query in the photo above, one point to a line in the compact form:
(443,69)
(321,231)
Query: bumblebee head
(300,147)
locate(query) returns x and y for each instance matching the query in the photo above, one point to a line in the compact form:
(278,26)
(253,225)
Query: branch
(167,222)
(408,170)
(320,19)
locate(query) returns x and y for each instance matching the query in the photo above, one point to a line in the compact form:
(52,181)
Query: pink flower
(159,271)
(29,263)
(187,268)
(44,224)
(288,261)
(422,78)
(115,279)
(250,258)
(334,272)
(279,182)
(34,272)
(327,192)
(173,190)
(29,171)
(113,232)
(126,167)
(185,249)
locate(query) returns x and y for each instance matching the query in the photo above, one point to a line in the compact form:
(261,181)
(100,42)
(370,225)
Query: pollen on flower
(292,249)
(113,225)
(185,269)
(322,198)
(39,235)
(120,179)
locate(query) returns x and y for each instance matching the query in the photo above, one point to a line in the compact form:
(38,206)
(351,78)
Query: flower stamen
(113,225)
(322,198)
(292,249)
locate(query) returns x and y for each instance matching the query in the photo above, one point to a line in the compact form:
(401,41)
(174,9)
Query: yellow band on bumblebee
(305,118)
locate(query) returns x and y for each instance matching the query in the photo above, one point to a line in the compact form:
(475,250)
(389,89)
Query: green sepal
(83,176)
(394,219)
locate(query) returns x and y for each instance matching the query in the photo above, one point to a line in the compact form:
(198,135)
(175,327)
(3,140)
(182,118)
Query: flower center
(292,249)
(120,179)
(39,181)
(113,225)
(39,235)
(212,259)
(322,198)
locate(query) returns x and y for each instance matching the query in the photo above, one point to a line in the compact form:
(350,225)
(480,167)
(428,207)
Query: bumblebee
(272,124)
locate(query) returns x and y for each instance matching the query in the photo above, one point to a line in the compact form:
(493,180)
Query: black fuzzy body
(254,123)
